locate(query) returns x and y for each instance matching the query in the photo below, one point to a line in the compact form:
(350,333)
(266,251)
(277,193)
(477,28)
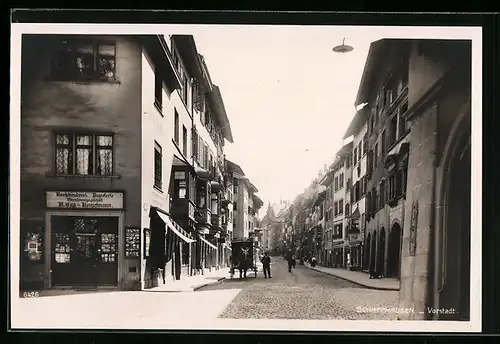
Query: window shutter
(386,192)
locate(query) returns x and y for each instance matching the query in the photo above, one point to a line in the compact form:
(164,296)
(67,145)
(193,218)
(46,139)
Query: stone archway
(394,251)
(373,251)
(456,228)
(381,252)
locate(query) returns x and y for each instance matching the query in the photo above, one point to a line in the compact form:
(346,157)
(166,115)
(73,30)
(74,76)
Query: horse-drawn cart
(243,257)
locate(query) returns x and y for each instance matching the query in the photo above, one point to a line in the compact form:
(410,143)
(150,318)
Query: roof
(231,166)
(257,201)
(376,54)
(196,66)
(252,187)
(215,99)
(341,153)
(327,178)
(359,119)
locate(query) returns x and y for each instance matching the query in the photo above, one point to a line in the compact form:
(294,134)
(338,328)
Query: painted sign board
(84,200)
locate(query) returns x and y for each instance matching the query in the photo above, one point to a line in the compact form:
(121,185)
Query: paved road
(304,294)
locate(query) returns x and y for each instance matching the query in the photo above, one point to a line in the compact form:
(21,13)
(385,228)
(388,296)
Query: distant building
(419,171)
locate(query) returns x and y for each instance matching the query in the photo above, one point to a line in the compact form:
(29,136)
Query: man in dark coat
(266,264)
(290,259)
(243,267)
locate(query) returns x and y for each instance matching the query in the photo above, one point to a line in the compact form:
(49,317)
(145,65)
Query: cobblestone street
(304,294)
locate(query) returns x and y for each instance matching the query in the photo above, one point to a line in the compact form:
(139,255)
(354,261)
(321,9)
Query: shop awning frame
(207,242)
(172,225)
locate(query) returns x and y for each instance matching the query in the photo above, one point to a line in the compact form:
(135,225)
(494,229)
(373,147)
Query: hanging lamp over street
(343,48)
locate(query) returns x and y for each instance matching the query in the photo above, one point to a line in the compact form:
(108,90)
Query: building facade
(244,195)
(341,175)
(357,185)
(109,192)
(418,171)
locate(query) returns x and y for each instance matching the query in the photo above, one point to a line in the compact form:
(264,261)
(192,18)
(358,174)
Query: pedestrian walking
(289,259)
(313,262)
(266,264)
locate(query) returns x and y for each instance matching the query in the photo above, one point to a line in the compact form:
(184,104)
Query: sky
(288,96)
(289,99)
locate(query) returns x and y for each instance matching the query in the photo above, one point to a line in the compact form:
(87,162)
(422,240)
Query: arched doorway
(381,252)
(455,291)
(394,251)
(366,256)
(373,251)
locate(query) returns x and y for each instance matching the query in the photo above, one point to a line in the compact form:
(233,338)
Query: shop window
(33,246)
(84,61)
(84,154)
(158,166)
(109,244)
(62,248)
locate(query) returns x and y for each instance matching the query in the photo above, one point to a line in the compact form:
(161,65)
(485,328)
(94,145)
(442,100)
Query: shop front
(208,252)
(83,237)
(338,255)
(170,248)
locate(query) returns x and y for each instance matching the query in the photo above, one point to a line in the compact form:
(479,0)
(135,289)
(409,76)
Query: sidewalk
(192,283)
(360,278)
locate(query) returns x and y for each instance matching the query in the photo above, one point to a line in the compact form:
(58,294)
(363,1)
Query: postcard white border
(472,33)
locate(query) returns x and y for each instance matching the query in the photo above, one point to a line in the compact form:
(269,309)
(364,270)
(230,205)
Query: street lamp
(343,48)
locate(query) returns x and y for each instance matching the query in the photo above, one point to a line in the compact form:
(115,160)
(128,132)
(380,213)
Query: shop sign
(84,200)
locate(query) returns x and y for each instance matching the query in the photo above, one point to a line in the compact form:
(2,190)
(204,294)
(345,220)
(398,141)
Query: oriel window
(83,154)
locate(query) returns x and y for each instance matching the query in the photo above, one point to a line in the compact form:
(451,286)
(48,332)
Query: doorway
(381,252)
(84,251)
(394,251)
(456,289)
(366,255)
(373,251)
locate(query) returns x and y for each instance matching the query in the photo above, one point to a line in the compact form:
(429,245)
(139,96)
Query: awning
(208,243)
(355,215)
(174,227)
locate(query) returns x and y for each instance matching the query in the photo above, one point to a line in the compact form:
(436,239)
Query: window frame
(158,182)
(71,54)
(176,126)
(158,87)
(72,152)
(184,141)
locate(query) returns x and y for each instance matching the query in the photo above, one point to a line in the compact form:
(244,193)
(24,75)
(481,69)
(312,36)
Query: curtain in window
(106,61)
(62,154)
(84,155)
